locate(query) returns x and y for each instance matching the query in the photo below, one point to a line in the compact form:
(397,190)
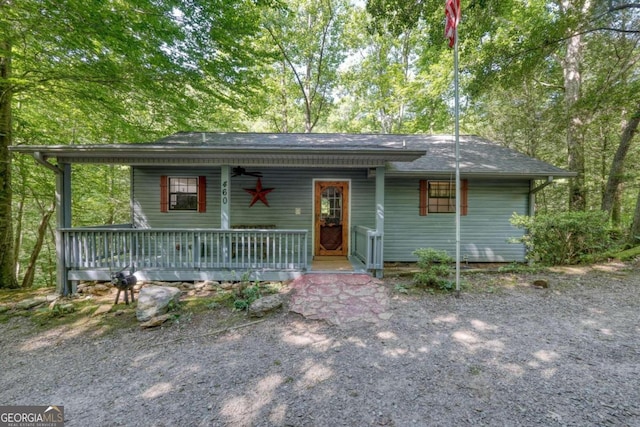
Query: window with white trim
(182,193)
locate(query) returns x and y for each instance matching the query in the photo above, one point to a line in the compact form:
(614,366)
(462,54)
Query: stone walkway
(340,298)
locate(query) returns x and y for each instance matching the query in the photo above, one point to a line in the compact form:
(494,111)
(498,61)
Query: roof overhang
(169,155)
(482,175)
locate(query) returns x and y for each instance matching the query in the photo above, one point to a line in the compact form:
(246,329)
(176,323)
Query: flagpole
(457,141)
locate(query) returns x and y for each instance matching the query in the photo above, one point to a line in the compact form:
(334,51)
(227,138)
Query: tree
(308,36)
(378,84)
(136,68)
(635,225)
(7,262)
(571,68)
(617,164)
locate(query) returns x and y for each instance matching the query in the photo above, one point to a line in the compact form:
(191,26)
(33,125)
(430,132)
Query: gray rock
(155,321)
(155,300)
(30,303)
(99,289)
(541,283)
(265,305)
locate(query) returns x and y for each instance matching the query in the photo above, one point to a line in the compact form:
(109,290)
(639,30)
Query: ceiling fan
(238,171)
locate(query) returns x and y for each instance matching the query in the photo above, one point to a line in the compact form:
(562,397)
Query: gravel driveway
(503,354)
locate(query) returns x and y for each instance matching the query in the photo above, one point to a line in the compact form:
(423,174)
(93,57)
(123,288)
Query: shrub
(565,237)
(247,296)
(435,268)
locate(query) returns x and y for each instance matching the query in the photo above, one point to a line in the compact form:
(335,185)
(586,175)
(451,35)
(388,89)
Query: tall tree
(308,36)
(137,67)
(7,261)
(617,164)
(378,83)
(571,67)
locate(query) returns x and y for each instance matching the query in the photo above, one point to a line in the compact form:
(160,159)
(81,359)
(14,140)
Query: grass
(79,309)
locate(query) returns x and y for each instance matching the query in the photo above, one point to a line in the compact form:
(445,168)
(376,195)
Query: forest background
(558,80)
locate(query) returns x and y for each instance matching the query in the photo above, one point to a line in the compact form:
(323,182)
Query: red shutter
(164,194)
(463,196)
(202,194)
(423,198)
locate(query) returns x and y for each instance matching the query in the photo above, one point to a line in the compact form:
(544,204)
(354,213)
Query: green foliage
(435,269)
(401,289)
(246,296)
(564,237)
(628,254)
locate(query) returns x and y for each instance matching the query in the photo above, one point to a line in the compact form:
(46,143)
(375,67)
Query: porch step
(331,263)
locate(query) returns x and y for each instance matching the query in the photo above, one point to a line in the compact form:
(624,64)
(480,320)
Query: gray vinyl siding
(146,199)
(484,231)
(293,189)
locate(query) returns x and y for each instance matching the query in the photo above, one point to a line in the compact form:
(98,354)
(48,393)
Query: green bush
(435,269)
(565,237)
(247,296)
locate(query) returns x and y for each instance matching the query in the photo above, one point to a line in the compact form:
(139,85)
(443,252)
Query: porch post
(380,214)
(63,207)
(225,207)
(225,197)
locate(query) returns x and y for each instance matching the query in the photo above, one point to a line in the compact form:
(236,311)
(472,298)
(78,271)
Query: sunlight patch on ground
(357,342)
(245,410)
(157,390)
(571,270)
(514,369)
(483,326)
(278,414)
(546,355)
(449,318)
(387,335)
(395,352)
(468,338)
(303,338)
(314,373)
(58,335)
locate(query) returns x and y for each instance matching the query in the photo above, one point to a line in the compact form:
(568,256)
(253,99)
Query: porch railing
(243,249)
(367,246)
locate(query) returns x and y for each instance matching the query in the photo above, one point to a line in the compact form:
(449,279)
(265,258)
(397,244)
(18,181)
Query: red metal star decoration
(259,193)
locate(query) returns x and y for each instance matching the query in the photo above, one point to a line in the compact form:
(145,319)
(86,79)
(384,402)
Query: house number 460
(225,198)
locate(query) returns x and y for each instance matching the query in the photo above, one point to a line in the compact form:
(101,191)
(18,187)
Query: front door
(331,217)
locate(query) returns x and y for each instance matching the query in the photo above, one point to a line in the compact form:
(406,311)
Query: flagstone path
(340,298)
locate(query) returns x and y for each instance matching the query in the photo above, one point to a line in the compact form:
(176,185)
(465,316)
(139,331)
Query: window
(182,194)
(440,197)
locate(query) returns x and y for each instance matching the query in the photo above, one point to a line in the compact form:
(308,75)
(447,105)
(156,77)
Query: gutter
(39,158)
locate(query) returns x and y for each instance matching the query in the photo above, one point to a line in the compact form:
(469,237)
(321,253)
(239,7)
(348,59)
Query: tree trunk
(617,164)
(634,237)
(30,271)
(7,262)
(572,86)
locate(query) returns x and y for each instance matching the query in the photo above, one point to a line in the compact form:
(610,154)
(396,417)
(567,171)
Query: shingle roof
(478,156)
(403,154)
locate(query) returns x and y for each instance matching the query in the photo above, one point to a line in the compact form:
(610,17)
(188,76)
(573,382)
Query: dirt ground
(504,353)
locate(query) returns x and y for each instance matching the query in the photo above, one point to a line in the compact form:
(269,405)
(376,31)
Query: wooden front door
(331,217)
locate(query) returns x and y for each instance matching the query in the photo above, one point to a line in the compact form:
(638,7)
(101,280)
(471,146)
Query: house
(265,206)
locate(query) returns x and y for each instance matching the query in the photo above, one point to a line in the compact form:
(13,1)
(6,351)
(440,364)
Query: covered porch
(93,253)
(174,246)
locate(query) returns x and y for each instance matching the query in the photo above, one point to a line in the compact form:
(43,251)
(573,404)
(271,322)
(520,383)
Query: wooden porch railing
(367,246)
(246,249)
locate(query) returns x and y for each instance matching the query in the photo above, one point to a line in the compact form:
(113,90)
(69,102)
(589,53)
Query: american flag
(452,14)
